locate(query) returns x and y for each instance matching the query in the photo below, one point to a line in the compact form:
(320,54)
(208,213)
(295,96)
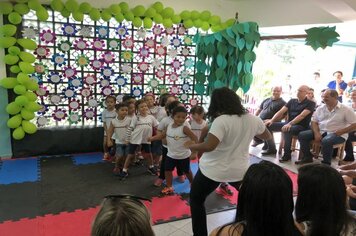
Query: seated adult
(330,125)
(299,112)
(349,147)
(268,108)
(321,204)
(338,84)
(122,215)
(265,204)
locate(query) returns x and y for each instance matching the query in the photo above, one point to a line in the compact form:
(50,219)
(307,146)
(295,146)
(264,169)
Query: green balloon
(176,19)
(119,17)
(21,100)
(205,15)
(15,69)
(167,23)
(216,28)
(194,15)
(26,67)
(158,6)
(57,5)
(137,22)
(65,13)
(167,12)
(185,15)
(8,30)
(188,23)
(106,15)
(5,8)
(205,26)
(147,23)
(29,127)
(6,42)
(85,7)
(20,89)
(214,20)
(22,1)
(198,23)
(42,14)
(26,114)
(124,7)
(129,16)
(158,18)
(150,12)
(33,106)
(32,85)
(115,9)
(139,10)
(14,18)
(78,15)
(8,82)
(18,133)
(21,8)
(34,4)
(32,97)
(71,5)
(94,14)
(230,22)
(14,121)
(23,78)
(12,108)
(27,57)
(13,50)
(27,44)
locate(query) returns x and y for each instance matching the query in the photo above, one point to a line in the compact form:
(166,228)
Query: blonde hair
(122,217)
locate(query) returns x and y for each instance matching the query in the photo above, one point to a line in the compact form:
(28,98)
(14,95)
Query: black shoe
(269,152)
(265,147)
(302,162)
(256,143)
(285,158)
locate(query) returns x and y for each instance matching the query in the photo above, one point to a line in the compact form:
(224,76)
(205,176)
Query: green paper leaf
(250,56)
(220,73)
(248,67)
(219,84)
(241,43)
(239,67)
(218,36)
(221,61)
(200,77)
(200,89)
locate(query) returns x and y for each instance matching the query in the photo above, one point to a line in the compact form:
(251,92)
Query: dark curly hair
(224,101)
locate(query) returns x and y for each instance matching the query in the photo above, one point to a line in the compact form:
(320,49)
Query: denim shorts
(145,147)
(122,150)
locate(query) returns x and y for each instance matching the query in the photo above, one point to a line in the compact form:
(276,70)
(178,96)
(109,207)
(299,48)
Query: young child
(119,127)
(107,116)
(197,122)
(177,135)
(140,130)
(163,100)
(162,127)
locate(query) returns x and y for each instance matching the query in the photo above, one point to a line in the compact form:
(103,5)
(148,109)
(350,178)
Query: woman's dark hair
(265,202)
(322,200)
(224,101)
(163,99)
(179,109)
(171,106)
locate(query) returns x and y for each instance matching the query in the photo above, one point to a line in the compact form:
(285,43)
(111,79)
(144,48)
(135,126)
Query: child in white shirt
(107,116)
(197,122)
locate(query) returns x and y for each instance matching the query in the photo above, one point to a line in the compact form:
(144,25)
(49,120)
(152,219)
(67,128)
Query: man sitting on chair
(299,112)
(330,125)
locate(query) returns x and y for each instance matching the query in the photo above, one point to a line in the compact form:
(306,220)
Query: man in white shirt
(330,125)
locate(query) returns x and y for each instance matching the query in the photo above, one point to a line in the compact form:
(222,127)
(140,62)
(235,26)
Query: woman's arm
(209,145)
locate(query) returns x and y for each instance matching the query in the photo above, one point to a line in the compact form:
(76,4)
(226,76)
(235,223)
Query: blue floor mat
(19,171)
(90,158)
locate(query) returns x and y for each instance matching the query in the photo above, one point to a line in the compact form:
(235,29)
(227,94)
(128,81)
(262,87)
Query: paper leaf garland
(321,37)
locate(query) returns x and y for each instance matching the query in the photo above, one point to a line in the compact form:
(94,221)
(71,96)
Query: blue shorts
(182,164)
(145,147)
(156,147)
(122,150)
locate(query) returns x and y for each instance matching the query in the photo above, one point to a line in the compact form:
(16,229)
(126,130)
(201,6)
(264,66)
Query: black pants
(349,148)
(202,186)
(163,164)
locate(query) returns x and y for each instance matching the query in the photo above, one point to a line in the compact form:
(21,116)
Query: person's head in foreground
(122,216)
(265,203)
(321,201)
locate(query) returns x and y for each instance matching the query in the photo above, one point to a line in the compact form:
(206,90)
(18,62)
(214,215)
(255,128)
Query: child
(107,116)
(119,127)
(177,134)
(162,127)
(138,133)
(163,100)
(197,122)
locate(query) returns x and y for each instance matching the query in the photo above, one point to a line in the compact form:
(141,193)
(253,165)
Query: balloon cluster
(20,63)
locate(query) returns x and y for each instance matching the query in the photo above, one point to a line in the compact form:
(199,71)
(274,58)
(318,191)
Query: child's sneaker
(152,171)
(225,189)
(123,175)
(106,157)
(167,191)
(181,179)
(158,182)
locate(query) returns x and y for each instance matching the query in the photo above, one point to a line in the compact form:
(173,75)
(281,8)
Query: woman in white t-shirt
(226,151)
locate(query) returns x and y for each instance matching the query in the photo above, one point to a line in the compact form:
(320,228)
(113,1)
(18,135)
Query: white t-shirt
(161,113)
(153,111)
(229,161)
(120,129)
(175,142)
(107,117)
(196,128)
(142,128)
(163,124)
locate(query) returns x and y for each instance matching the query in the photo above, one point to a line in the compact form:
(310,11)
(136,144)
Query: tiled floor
(184,227)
